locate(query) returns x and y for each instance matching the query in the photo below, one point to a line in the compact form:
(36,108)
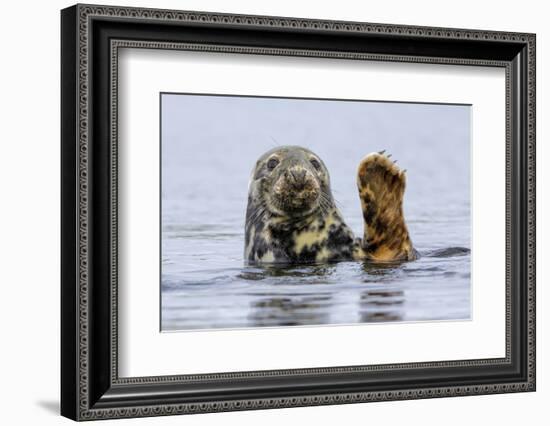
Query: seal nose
(298,177)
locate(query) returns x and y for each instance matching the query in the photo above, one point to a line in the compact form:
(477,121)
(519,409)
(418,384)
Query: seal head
(291,215)
(291,182)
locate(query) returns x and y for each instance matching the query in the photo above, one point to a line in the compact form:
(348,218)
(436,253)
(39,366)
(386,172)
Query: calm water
(204,187)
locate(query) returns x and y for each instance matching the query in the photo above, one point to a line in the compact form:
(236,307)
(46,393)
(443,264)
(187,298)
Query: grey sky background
(211,143)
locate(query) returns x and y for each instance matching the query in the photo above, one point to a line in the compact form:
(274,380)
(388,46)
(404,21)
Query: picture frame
(91,387)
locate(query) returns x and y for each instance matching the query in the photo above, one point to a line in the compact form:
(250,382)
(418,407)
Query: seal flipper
(381,187)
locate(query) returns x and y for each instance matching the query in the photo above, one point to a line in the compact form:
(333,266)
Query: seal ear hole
(272,163)
(315,163)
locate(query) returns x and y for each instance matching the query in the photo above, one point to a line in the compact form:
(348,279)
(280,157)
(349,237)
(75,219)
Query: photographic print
(305,212)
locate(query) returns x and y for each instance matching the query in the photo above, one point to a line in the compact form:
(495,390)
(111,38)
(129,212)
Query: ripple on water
(432,288)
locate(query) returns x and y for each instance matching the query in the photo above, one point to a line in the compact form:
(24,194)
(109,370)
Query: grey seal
(291,216)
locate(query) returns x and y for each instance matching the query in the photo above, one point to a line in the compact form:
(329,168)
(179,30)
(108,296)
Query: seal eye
(315,164)
(272,163)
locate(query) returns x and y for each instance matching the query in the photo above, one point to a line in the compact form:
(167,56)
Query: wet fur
(381,186)
(276,232)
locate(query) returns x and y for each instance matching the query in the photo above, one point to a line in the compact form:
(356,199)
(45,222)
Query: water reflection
(375,272)
(292,306)
(381,304)
(294,310)
(296,306)
(433,287)
(282,271)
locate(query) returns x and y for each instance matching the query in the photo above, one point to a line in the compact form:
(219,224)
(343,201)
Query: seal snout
(297,177)
(297,189)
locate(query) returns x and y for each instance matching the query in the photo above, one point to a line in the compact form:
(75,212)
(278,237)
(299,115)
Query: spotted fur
(291,216)
(381,187)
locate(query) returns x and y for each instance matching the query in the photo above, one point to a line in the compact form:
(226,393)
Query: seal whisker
(336,203)
(275,143)
(329,200)
(258,215)
(325,204)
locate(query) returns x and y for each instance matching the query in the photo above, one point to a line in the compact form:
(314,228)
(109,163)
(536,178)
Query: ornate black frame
(91,37)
